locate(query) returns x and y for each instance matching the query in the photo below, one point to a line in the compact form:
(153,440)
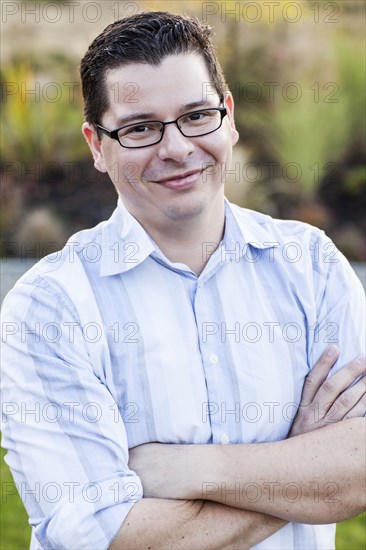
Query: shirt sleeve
(66,442)
(340,305)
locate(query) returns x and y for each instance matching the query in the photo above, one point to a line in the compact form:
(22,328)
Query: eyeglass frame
(113,134)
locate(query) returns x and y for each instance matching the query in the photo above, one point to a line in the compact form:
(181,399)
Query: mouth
(181,181)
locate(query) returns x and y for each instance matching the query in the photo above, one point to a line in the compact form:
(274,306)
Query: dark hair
(146,37)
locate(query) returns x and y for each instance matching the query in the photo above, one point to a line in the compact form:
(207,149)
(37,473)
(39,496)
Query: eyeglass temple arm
(103,130)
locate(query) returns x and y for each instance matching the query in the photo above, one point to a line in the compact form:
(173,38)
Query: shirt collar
(126,244)
(243,229)
(248,228)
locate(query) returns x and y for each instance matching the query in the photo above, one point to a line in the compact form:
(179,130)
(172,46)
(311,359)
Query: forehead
(178,80)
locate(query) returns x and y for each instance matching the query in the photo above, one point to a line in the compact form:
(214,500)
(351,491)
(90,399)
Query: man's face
(153,181)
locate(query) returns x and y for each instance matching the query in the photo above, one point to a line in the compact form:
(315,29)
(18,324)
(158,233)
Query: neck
(191,242)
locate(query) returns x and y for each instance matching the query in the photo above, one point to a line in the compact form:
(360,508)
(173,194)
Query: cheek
(130,173)
(222,150)
(124,171)
(220,143)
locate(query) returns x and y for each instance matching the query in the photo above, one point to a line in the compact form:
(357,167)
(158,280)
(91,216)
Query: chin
(180,212)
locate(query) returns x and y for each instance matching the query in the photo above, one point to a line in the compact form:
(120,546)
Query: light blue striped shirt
(108,345)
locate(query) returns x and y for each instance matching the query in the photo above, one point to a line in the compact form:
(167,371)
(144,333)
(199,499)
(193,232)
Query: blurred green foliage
(50,188)
(42,111)
(295,105)
(300,110)
(299,90)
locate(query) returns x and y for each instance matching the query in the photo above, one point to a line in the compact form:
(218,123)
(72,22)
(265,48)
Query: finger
(318,374)
(359,410)
(336,384)
(346,401)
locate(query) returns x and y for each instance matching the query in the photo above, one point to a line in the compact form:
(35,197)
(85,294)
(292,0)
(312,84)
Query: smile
(181,181)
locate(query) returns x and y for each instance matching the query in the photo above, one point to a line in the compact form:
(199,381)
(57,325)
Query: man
(181,321)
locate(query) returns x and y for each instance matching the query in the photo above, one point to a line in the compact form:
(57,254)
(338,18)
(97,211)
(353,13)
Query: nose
(174,146)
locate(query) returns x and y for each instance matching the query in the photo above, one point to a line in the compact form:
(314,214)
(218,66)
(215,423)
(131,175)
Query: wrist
(206,469)
(192,467)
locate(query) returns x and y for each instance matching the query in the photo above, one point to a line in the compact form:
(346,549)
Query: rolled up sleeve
(66,441)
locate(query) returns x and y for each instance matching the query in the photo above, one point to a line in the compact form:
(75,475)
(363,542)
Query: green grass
(351,534)
(15,531)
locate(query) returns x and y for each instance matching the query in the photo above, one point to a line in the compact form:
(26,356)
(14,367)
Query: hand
(327,400)
(158,466)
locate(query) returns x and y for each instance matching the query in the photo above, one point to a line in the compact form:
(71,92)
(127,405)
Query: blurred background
(297,73)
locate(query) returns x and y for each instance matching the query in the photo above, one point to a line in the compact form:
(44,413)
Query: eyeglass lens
(193,124)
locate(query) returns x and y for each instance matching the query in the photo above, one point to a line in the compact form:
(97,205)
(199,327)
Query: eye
(138,129)
(197,116)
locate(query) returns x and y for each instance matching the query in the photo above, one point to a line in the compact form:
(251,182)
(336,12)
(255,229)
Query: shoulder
(298,247)
(303,240)
(62,274)
(283,229)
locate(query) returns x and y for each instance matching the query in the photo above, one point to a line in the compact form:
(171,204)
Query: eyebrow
(151,116)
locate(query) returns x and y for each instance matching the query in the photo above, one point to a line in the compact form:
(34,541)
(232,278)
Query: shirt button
(200,284)
(214,359)
(224,439)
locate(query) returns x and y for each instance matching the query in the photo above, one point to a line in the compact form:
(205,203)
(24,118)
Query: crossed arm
(198,496)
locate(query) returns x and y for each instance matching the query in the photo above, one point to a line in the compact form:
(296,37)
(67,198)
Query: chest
(199,362)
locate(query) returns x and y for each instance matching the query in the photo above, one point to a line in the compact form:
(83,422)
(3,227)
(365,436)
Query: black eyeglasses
(150,132)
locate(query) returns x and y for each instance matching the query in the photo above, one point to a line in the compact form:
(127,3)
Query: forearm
(163,523)
(316,477)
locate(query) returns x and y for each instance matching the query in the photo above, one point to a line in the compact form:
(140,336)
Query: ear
(229,104)
(95,145)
